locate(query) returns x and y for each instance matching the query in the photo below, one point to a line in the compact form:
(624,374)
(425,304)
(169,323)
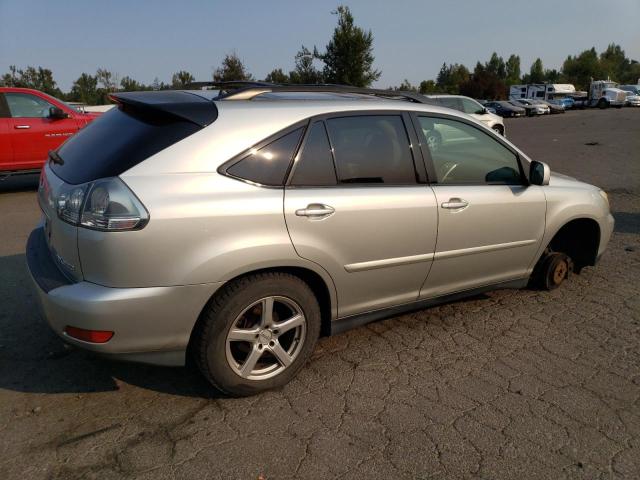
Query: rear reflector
(91,336)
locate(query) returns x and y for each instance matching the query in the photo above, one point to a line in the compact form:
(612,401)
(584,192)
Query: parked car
(237,228)
(531,107)
(506,109)
(471,107)
(632,100)
(553,107)
(31,124)
(635,89)
(566,102)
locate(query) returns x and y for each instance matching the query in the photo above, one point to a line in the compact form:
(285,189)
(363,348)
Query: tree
(181,79)
(483,84)
(348,56)
(232,69)
(405,86)
(107,79)
(512,70)
(580,69)
(277,76)
(496,66)
(128,84)
(614,62)
(85,89)
(451,77)
(536,73)
(31,77)
(305,72)
(428,86)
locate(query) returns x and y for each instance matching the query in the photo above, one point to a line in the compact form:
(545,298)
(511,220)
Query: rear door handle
(455,203)
(315,210)
(22,127)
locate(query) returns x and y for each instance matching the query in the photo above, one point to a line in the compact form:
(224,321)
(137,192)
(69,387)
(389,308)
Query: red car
(31,124)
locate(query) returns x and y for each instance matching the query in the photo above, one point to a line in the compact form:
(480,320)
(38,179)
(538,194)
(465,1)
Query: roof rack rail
(246,90)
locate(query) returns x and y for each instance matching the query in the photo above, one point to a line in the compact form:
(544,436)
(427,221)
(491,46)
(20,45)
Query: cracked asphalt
(508,385)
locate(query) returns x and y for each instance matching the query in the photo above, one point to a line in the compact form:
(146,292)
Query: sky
(146,39)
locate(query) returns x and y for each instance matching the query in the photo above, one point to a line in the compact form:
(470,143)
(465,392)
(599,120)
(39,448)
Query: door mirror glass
(539,173)
(56,113)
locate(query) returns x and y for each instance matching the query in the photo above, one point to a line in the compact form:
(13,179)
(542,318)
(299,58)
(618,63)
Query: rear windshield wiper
(55,158)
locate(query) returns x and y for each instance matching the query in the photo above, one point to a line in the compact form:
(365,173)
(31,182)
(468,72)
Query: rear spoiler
(184,105)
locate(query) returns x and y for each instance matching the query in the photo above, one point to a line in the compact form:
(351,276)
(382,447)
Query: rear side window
(315,165)
(269,164)
(116,141)
(372,149)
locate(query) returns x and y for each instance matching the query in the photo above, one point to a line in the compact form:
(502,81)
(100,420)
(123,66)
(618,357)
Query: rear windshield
(116,141)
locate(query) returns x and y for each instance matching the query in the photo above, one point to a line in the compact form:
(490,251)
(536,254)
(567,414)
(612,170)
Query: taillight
(106,204)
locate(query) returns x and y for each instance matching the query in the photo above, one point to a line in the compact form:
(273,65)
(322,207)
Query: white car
(473,108)
(532,107)
(632,100)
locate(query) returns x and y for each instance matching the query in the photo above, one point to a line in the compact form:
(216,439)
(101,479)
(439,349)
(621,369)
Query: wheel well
(580,240)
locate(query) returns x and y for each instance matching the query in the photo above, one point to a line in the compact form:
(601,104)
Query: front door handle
(22,127)
(455,203)
(315,210)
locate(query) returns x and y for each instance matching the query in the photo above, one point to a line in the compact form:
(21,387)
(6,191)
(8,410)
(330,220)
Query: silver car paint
(376,250)
(377,246)
(493,239)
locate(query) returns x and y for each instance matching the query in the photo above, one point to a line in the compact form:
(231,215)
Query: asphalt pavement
(508,385)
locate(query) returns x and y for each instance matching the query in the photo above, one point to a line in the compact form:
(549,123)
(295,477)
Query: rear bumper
(151,324)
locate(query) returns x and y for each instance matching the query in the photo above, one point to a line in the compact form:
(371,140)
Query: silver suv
(234,227)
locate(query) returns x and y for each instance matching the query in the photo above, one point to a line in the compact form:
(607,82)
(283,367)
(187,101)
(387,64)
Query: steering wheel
(447,168)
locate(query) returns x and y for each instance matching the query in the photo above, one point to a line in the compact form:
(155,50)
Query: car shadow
(18,183)
(627,222)
(34,360)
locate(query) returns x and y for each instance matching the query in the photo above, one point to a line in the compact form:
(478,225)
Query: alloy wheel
(266,338)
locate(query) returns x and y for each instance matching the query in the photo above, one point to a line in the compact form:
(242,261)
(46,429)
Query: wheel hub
(560,272)
(265,335)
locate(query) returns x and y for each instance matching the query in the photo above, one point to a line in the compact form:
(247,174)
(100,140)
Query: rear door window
(268,165)
(372,149)
(315,166)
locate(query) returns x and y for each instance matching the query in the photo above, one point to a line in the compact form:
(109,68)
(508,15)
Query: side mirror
(539,173)
(57,113)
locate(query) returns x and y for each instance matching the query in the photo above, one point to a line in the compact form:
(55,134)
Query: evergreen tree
(232,69)
(305,72)
(512,70)
(348,57)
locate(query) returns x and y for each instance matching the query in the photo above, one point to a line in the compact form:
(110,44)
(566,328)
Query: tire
(602,104)
(498,129)
(553,269)
(221,355)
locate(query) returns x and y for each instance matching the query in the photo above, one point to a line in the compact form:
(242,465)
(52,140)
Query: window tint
(464,154)
(372,149)
(27,106)
(116,141)
(315,165)
(269,164)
